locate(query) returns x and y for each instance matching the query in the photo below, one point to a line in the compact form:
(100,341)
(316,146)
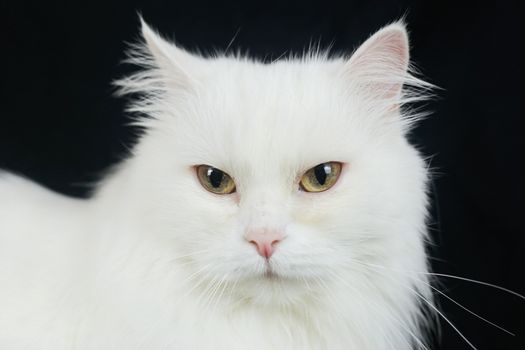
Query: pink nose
(264,240)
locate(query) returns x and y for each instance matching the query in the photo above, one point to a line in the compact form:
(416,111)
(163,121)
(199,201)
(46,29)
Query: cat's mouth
(270,273)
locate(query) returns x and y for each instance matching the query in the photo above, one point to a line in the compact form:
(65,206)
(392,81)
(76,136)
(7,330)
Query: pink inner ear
(379,66)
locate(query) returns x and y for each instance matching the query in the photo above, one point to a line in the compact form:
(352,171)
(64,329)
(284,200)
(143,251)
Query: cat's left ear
(379,67)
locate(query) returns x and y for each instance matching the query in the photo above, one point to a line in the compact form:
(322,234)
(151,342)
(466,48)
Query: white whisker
(446,296)
(452,277)
(430,304)
(376,308)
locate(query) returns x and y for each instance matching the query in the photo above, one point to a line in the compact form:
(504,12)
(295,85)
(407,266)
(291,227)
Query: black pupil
(321,171)
(215,177)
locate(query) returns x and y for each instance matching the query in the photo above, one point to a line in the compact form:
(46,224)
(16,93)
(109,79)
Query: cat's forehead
(276,87)
(269,112)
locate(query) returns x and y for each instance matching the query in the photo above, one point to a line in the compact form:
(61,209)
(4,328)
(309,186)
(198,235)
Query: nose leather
(264,240)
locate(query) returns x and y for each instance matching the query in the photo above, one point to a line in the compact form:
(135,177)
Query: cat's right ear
(175,62)
(165,70)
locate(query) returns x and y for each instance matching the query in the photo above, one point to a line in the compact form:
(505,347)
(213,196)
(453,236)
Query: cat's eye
(215,180)
(321,177)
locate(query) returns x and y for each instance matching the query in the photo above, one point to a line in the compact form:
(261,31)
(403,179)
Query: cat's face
(266,125)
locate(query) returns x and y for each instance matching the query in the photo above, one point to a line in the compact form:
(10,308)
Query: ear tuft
(164,70)
(174,61)
(160,49)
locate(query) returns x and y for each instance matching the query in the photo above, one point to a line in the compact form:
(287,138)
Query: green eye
(215,180)
(321,177)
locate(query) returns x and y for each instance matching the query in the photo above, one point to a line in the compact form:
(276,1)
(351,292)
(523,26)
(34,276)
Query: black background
(60,126)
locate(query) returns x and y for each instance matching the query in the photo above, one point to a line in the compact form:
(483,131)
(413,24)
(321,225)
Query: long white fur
(154,261)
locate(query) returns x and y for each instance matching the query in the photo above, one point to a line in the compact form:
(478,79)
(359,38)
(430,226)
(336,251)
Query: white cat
(265,206)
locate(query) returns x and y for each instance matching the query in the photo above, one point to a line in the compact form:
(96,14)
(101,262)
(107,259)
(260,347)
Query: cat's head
(273,177)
